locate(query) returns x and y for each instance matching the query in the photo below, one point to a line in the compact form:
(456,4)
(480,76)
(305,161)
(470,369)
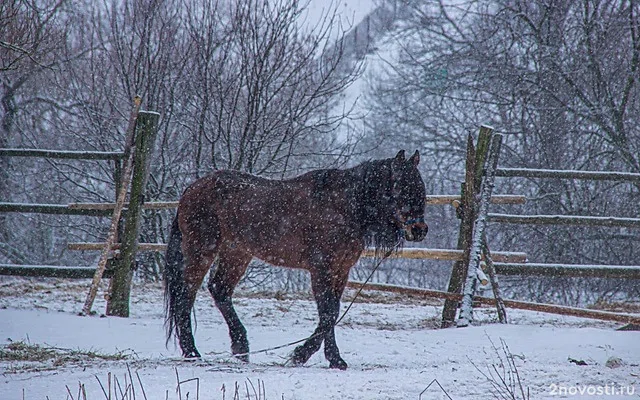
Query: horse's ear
(400,156)
(415,158)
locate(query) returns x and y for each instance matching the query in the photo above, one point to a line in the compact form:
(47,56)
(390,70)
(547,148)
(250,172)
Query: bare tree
(264,88)
(31,37)
(558,78)
(242,85)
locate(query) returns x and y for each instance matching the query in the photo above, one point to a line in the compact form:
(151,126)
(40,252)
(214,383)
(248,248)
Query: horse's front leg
(331,351)
(327,298)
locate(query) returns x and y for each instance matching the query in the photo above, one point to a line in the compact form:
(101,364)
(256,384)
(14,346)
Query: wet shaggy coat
(319,221)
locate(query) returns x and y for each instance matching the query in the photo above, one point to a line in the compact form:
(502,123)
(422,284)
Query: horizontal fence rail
(447,254)
(522,305)
(64,154)
(565,220)
(502,268)
(50,271)
(51,209)
(160,247)
(568,174)
(152,205)
(87,273)
(433,200)
(569,270)
(106,209)
(412,253)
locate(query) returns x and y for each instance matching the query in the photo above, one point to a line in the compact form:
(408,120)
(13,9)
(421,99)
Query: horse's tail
(174,284)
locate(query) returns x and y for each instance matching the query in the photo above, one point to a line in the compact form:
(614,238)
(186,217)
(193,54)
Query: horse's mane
(371,176)
(362,185)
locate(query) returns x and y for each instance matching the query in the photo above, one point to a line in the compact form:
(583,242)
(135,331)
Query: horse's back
(236,188)
(278,221)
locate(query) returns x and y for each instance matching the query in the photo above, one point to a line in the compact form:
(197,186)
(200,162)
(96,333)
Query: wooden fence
(134,161)
(472,249)
(481,171)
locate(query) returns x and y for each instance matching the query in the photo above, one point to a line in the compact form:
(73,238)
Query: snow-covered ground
(390,343)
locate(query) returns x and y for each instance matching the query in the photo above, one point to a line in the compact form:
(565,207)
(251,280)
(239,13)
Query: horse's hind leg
(195,270)
(230,269)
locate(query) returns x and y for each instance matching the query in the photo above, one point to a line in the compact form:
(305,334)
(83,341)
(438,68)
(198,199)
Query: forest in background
(247,86)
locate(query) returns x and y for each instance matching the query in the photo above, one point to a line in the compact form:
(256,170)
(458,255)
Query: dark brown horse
(319,221)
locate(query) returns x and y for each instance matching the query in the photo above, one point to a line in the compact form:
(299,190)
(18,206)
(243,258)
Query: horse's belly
(277,241)
(282,255)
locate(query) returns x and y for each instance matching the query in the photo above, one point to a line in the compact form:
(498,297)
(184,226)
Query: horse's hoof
(191,354)
(298,359)
(338,364)
(242,357)
(240,350)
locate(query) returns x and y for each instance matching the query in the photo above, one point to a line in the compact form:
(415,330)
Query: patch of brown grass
(27,357)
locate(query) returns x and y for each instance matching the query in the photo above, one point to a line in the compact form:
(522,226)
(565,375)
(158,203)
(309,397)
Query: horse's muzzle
(415,229)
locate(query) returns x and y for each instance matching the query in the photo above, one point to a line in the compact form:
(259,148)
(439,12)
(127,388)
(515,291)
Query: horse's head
(396,201)
(408,196)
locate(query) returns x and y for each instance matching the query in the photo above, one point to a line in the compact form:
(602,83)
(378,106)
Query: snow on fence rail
(150,205)
(583,220)
(431,200)
(506,263)
(569,270)
(568,174)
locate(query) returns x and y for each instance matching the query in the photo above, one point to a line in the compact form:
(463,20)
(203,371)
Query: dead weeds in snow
(130,387)
(27,357)
(503,373)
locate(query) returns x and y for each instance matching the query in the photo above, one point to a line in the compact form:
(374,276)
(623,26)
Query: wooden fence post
(120,288)
(475,246)
(117,211)
(475,160)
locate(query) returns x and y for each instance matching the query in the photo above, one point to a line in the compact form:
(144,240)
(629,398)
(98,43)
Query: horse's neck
(366,185)
(368,174)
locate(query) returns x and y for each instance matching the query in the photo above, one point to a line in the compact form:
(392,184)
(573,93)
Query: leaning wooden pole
(475,252)
(493,278)
(122,194)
